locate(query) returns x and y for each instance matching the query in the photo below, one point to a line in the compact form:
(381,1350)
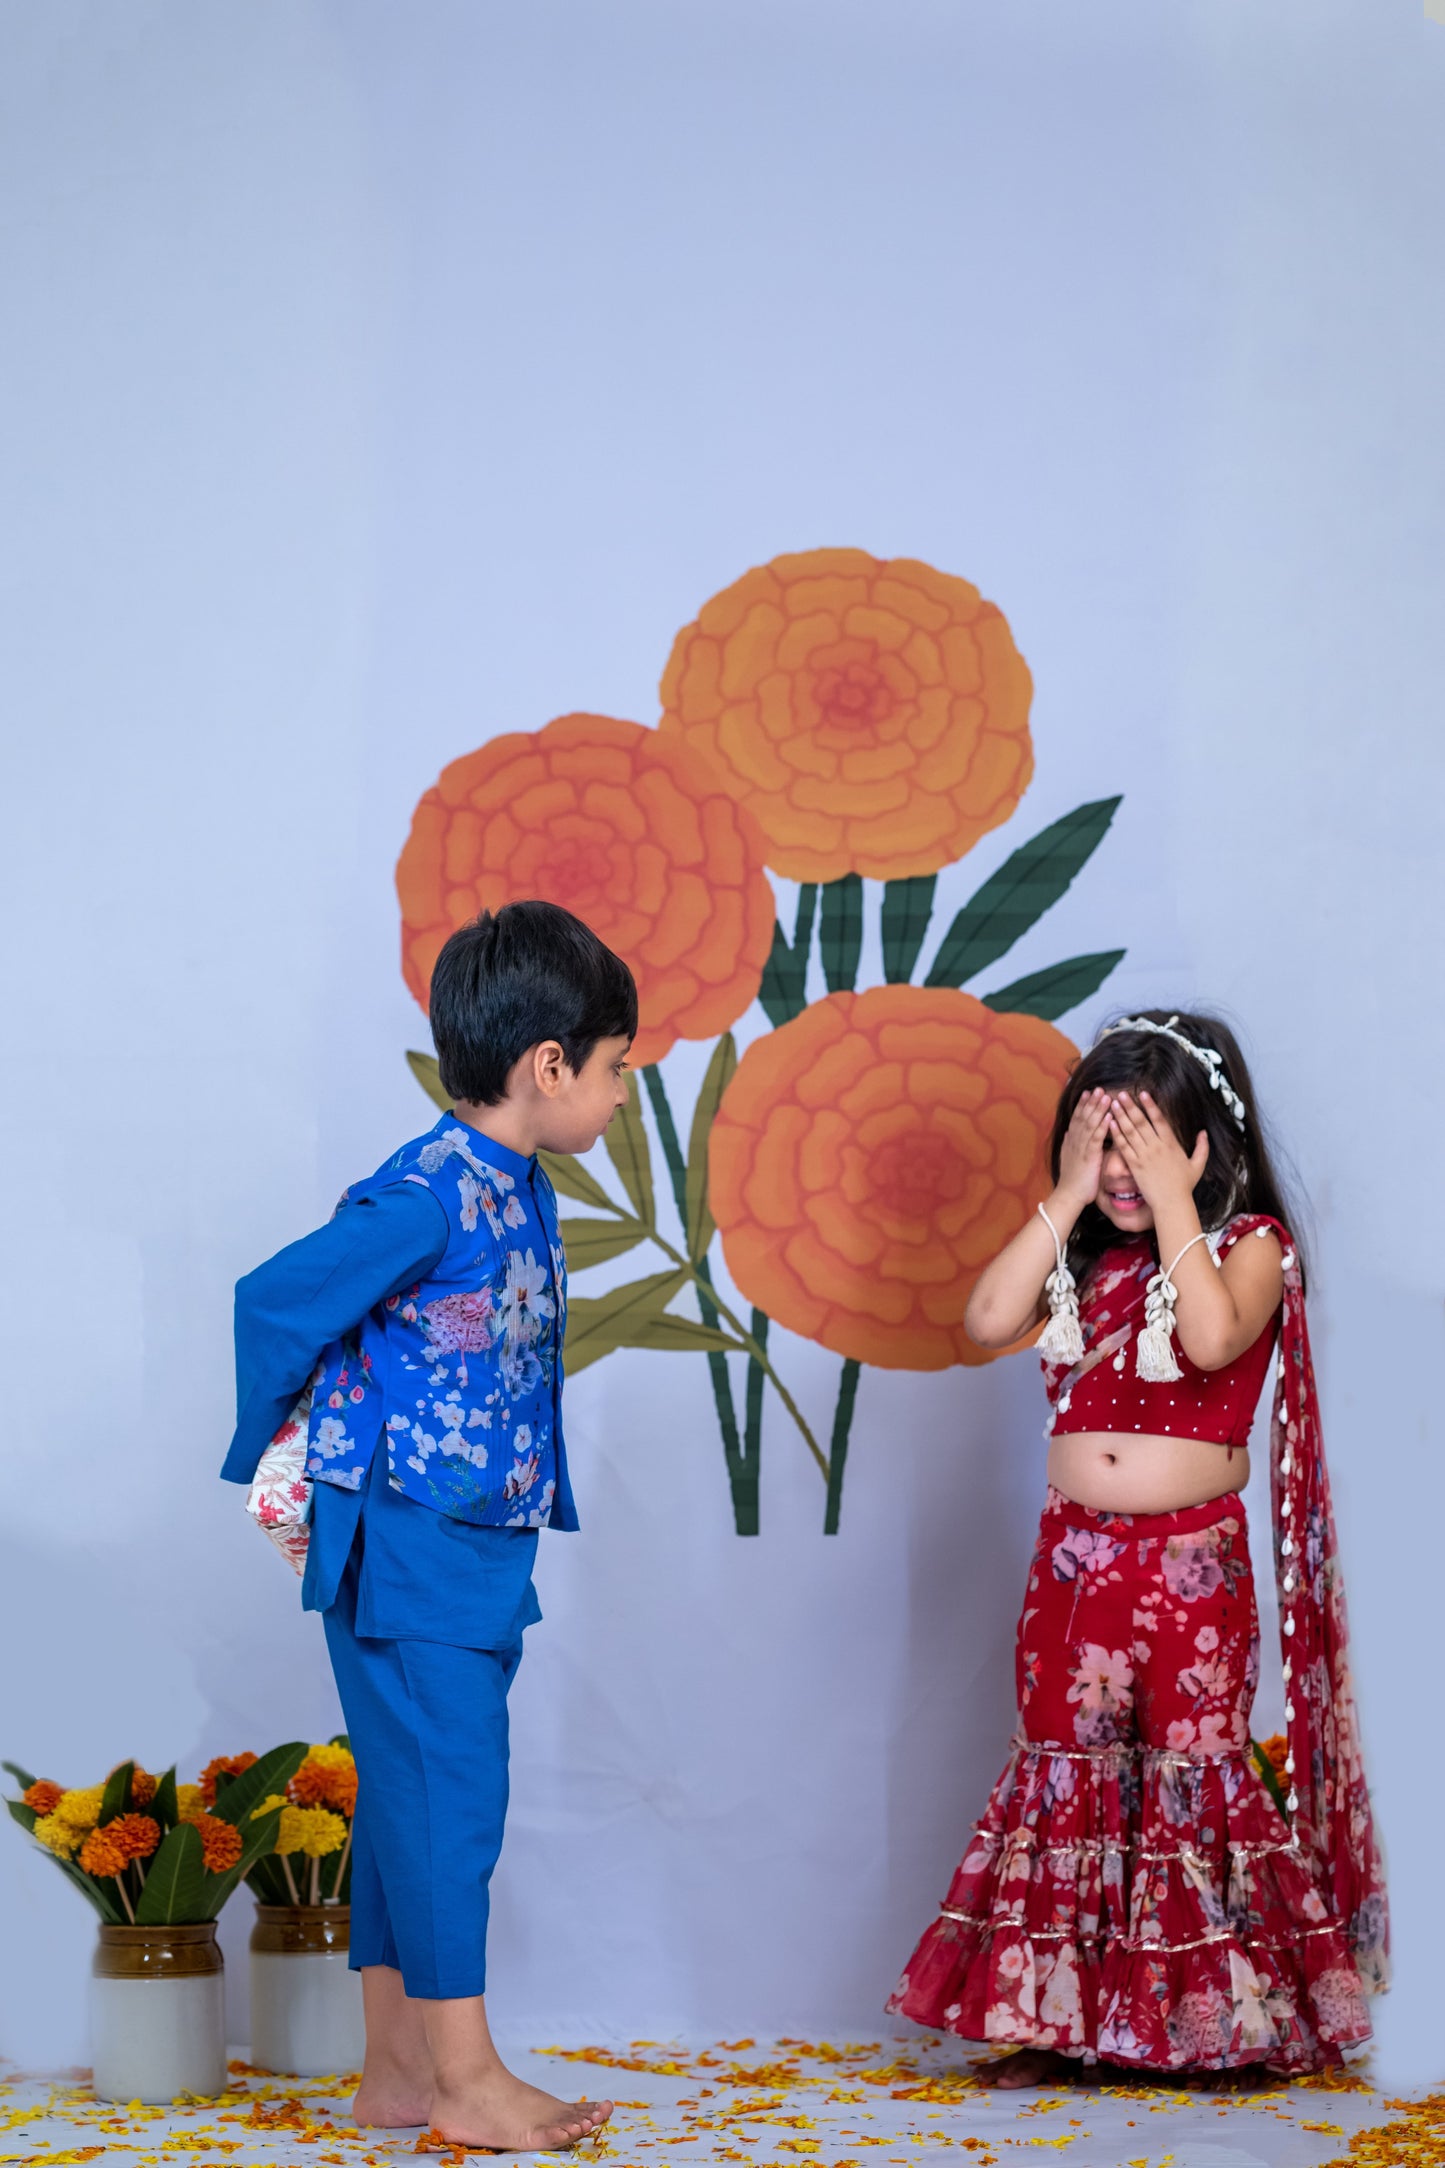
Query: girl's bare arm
(1005,1301)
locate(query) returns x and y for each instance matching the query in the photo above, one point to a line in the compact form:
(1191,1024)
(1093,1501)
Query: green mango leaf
(1051,993)
(117,1793)
(668,1334)
(424,1068)
(175,1881)
(570,1177)
(596,1324)
(1017,896)
(701,1225)
(164,1806)
(272,1773)
(840,936)
(22,1776)
(267,1882)
(783,992)
(19,1812)
(907,909)
(258,1838)
(341,1739)
(628,1149)
(593,1241)
(93,1891)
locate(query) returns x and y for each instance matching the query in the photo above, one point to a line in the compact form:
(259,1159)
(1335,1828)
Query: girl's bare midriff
(1118,1472)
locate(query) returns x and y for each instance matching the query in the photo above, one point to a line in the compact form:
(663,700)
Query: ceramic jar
(306,2017)
(157,2013)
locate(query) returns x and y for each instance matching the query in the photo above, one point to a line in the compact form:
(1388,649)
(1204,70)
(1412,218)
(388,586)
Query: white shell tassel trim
(1062,1339)
(1155,1361)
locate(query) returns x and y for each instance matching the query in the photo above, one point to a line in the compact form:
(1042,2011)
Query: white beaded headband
(1208,1057)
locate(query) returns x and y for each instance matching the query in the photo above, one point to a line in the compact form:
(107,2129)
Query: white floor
(774,2104)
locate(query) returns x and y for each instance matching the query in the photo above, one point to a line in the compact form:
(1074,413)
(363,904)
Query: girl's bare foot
(1027,2066)
(508,2116)
(395,2092)
(391,2100)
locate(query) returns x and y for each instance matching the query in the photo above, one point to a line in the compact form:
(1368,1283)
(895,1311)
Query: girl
(1133,1894)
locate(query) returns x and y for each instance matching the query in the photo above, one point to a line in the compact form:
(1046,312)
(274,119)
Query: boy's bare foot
(392,2102)
(1027,2066)
(508,2116)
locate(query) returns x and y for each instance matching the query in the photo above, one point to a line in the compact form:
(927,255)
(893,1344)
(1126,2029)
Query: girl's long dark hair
(1240,1176)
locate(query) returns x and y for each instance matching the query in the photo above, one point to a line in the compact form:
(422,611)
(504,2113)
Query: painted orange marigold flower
(136,1834)
(103,1853)
(220,1842)
(873,713)
(1275,1751)
(871,1156)
(632,831)
(224,1765)
(43,1796)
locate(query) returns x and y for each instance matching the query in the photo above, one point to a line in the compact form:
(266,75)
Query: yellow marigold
(220,1842)
(136,1834)
(629,829)
(103,1852)
(312,1830)
(43,1796)
(327,1778)
(143,1787)
(57,1836)
(870,1157)
(277,1799)
(224,1765)
(81,1809)
(872,713)
(190,1802)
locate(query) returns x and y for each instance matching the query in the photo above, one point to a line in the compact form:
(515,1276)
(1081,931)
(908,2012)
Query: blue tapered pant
(424,1626)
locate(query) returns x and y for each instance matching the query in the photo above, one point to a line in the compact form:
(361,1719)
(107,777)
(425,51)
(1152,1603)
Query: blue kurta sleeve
(315,1290)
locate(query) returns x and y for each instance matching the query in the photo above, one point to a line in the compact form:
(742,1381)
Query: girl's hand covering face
(1081,1161)
(1157,1160)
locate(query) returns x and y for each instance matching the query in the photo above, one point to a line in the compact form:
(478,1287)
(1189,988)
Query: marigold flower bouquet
(310,1863)
(148,1852)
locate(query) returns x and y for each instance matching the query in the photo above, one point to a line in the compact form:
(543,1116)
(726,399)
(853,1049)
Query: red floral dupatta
(1329,1799)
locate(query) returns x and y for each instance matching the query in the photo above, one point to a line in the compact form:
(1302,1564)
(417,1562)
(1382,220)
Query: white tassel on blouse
(1062,1339)
(1154,1359)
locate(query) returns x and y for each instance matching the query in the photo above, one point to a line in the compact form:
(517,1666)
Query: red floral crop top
(1104,1392)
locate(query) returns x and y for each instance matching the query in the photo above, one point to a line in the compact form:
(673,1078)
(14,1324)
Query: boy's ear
(548,1064)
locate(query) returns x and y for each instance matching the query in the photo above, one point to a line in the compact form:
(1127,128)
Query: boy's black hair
(514,977)
(1240,1174)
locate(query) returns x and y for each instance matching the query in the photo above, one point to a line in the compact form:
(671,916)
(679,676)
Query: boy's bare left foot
(391,2101)
(508,2116)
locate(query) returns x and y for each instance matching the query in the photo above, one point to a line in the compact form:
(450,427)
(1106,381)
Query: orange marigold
(103,1852)
(630,830)
(315,1786)
(143,1787)
(136,1834)
(220,1842)
(873,713)
(1275,1751)
(42,1795)
(224,1765)
(871,1156)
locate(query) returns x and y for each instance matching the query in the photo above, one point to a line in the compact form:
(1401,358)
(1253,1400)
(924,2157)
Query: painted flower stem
(838,1454)
(742,1463)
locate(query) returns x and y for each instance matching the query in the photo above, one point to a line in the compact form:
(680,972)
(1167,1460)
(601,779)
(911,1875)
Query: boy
(430,1314)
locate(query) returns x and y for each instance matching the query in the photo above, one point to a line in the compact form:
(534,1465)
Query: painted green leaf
(164,1806)
(175,1881)
(596,1324)
(840,936)
(1017,896)
(272,1773)
(907,908)
(22,1776)
(1051,993)
(630,1153)
(669,1333)
(784,990)
(116,1798)
(424,1068)
(1270,1781)
(568,1176)
(593,1241)
(700,1222)
(258,1837)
